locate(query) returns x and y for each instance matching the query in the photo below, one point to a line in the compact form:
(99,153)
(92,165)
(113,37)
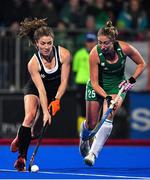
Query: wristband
(132,80)
(108,99)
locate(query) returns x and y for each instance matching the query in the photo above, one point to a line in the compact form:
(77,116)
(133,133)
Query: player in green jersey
(107,63)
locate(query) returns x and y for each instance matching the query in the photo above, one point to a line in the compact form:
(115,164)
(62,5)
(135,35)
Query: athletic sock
(24,138)
(101,137)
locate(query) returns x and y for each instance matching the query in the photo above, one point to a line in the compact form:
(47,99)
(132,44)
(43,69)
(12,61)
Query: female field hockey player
(107,63)
(49,69)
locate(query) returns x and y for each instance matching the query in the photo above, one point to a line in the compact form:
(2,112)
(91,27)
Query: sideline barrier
(139,106)
(75,141)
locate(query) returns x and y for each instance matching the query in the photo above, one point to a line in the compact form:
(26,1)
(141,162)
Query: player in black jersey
(49,69)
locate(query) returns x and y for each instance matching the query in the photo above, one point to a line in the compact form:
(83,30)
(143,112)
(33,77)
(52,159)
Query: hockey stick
(104,117)
(37,145)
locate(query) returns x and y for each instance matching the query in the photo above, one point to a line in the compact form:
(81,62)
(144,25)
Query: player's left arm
(65,71)
(135,56)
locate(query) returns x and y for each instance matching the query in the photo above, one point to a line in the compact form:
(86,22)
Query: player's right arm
(33,68)
(94,73)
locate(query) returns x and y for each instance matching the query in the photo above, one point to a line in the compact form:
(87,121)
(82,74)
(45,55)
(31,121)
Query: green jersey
(110,75)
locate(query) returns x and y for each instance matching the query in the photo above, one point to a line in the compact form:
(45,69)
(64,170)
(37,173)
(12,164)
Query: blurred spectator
(31,8)
(62,36)
(114,8)
(88,7)
(81,70)
(97,9)
(59,4)
(101,16)
(146,7)
(134,17)
(90,24)
(46,9)
(71,13)
(14,28)
(13,11)
(90,27)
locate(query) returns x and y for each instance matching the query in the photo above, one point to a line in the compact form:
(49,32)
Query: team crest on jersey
(105,68)
(43,76)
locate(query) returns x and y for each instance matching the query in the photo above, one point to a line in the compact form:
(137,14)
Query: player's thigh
(31,104)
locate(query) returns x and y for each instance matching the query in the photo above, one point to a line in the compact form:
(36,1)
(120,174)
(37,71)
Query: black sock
(24,137)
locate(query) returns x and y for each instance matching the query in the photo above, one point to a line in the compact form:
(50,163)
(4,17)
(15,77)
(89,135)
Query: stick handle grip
(117,97)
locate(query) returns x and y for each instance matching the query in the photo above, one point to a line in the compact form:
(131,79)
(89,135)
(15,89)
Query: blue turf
(65,162)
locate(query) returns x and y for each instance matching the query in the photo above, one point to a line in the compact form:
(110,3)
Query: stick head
(31,162)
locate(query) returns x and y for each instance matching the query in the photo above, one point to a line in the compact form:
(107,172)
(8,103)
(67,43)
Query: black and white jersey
(50,74)
(51,77)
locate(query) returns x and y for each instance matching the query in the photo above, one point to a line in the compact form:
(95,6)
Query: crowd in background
(65,16)
(90,14)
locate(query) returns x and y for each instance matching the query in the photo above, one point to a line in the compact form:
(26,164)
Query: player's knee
(29,118)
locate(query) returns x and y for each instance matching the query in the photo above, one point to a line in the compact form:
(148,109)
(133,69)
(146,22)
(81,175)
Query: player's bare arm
(94,62)
(134,55)
(65,57)
(33,68)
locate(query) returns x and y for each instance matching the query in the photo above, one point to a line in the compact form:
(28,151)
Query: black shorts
(50,87)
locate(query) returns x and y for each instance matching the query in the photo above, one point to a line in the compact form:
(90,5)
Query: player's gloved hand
(54,106)
(128,84)
(111,101)
(108,99)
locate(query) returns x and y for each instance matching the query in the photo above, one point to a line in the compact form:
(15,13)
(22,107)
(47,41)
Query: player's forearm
(43,101)
(99,90)
(139,69)
(61,90)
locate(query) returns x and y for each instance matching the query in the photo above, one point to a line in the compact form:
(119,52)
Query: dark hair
(108,30)
(34,29)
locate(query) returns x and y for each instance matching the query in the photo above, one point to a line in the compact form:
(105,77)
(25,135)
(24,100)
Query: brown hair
(108,30)
(34,29)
